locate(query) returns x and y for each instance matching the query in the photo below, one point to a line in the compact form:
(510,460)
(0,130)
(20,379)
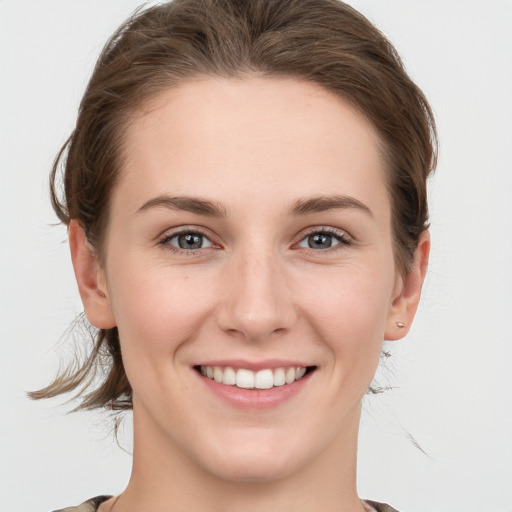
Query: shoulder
(93,504)
(87,506)
(381,507)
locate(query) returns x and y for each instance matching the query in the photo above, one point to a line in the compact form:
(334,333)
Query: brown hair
(323,41)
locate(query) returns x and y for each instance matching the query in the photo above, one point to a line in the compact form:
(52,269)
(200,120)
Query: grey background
(451,374)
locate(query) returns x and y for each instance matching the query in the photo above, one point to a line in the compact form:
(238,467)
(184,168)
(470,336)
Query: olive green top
(93,504)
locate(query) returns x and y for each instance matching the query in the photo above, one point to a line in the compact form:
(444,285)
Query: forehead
(251,137)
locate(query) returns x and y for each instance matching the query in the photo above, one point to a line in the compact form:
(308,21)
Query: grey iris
(190,241)
(320,241)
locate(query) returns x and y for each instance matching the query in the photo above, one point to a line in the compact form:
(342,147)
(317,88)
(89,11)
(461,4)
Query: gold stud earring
(401,325)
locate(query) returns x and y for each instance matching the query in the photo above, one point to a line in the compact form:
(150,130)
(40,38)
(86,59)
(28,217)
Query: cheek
(158,309)
(350,312)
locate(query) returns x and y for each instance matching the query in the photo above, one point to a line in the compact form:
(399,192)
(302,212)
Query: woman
(245,193)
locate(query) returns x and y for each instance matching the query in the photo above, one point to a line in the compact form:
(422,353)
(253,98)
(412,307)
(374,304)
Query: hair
(322,41)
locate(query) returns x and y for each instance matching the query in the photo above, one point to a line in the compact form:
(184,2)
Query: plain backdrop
(451,375)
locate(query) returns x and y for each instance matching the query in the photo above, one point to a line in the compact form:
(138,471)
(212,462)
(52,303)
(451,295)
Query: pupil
(190,241)
(320,241)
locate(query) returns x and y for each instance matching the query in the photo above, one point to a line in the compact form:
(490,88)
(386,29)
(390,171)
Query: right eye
(187,241)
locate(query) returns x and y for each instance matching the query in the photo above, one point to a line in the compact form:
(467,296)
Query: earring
(401,325)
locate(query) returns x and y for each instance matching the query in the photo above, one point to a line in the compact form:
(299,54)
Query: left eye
(321,240)
(189,241)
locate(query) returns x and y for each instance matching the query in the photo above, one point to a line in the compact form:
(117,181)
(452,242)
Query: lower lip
(256,398)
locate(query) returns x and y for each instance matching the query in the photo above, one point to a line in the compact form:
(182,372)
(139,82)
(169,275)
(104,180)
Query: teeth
(264,379)
(290,375)
(299,373)
(244,379)
(247,379)
(279,377)
(229,376)
(218,374)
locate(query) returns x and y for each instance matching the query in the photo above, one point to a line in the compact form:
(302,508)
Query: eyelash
(342,237)
(166,239)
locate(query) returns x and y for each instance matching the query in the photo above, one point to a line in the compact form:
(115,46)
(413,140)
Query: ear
(407,292)
(90,279)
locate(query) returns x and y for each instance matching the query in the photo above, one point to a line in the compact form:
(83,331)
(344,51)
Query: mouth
(264,379)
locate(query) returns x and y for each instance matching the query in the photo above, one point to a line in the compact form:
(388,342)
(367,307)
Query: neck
(164,478)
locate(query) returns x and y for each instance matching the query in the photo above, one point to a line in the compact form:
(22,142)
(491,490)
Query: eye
(187,241)
(324,239)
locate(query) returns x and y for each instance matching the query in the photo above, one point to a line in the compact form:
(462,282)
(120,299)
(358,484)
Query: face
(249,269)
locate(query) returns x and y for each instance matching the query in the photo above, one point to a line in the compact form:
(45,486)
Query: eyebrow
(208,208)
(185,203)
(324,203)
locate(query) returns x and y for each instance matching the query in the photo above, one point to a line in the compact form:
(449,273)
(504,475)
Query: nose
(256,301)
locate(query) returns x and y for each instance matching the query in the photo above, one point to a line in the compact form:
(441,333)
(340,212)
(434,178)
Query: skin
(255,291)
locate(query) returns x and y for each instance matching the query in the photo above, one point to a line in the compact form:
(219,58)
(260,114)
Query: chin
(252,462)
(251,469)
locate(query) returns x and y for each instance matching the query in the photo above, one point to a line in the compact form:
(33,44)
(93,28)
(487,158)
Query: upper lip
(255,365)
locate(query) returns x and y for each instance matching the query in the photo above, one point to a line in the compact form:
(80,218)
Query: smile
(247,379)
